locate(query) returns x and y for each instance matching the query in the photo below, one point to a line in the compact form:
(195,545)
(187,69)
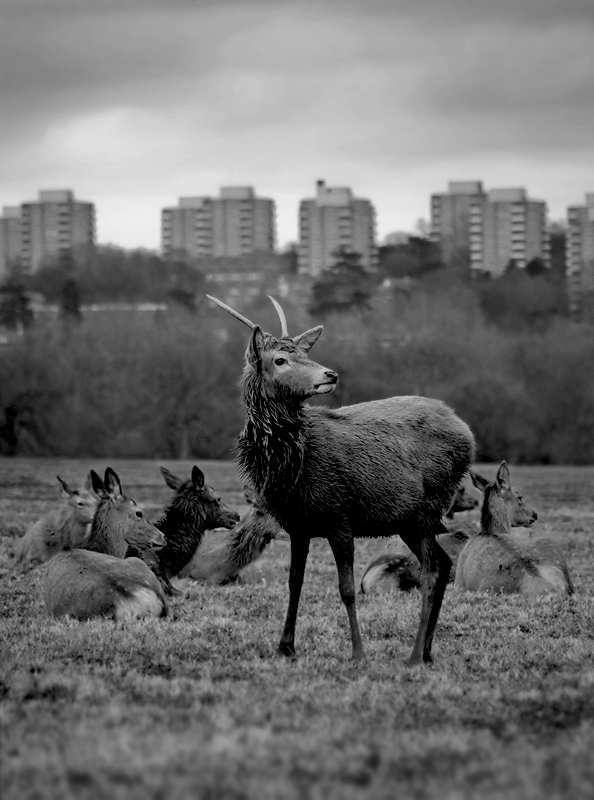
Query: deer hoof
(287,651)
(416,659)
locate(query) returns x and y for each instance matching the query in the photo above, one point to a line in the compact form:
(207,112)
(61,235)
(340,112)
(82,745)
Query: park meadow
(198,705)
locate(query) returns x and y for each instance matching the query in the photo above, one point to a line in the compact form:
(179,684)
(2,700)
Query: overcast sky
(134,103)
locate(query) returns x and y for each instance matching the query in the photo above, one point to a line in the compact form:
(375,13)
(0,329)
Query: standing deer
(98,581)
(61,528)
(221,558)
(384,467)
(194,509)
(497,561)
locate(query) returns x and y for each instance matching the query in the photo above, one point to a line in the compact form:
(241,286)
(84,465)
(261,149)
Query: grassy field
(199,706)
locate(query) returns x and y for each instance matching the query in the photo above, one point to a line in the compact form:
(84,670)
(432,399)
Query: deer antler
(281,314)
(233,313)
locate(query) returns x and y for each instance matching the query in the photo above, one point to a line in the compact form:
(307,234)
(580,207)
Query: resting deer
(221,557)
(98,581)
(61,528)
(497,561)
(194,509)
(387,467)
(400,569)
(466,498)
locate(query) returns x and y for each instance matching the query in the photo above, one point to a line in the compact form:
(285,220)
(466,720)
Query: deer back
(83,585)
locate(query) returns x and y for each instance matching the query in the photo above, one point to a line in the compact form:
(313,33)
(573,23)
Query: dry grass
(198,706)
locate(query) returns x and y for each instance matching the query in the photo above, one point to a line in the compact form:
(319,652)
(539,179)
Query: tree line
(163,384)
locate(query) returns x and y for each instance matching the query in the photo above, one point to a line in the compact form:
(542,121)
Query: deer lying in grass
(221,557)
(387,466)
(467,496)
(194,509)
(98,581)
(400,569)
(62,528)
(498,561)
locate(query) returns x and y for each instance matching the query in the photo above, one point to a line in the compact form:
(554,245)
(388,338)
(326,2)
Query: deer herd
(398,468)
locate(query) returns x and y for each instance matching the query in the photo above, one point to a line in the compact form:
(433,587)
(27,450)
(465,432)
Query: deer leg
(299,553)
(435,572)
(343,549)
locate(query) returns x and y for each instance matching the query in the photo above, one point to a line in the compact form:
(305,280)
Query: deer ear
(306,340)
(198,477)
(478,480)
(65,490)
(112,484)
(97,485)
(255,347)
(503,476)
(170,479)
(89,483)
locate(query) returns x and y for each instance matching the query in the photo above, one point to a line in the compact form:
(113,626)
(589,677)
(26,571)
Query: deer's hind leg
(435,572)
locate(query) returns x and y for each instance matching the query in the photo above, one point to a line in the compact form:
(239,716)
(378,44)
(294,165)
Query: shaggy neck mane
(184,515)
(270,447)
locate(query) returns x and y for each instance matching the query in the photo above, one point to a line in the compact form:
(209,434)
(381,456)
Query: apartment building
(234,224)
(506,227)
(335,219)
(54,223)
(10,238)
(579,257)
(450,215)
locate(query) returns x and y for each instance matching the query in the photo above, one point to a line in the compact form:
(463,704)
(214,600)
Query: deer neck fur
(494,517)
(106,535)
(186,517)
(270,447)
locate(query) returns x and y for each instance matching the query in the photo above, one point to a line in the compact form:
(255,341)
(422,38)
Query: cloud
(147,100)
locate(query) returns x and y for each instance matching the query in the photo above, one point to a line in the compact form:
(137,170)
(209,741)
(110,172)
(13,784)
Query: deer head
(198,501)
(283,365)
(502,501)
(518,512)
(82,500)
(119,518)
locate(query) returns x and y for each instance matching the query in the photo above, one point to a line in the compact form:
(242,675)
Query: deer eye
(280,361)
(139,513)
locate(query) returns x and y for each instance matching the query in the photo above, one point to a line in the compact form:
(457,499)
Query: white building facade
(234,224)
(579,256)
(53,224)
(10,238)
(507,228)
(332,220)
